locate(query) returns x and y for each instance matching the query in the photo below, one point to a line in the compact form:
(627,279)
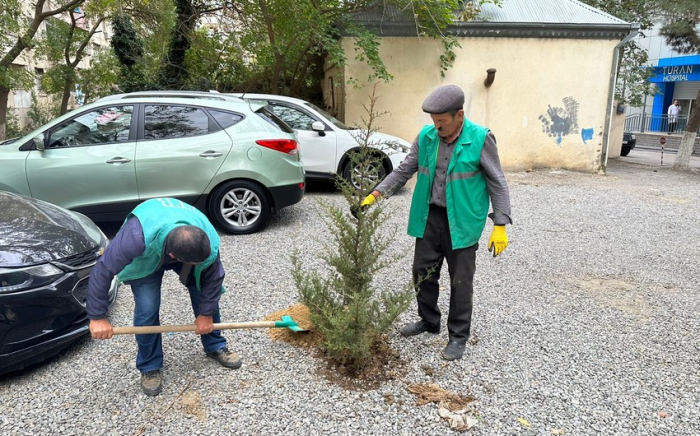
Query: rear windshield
(273,119)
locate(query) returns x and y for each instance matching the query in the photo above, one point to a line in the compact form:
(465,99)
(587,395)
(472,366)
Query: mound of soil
(300,314)
(385,363)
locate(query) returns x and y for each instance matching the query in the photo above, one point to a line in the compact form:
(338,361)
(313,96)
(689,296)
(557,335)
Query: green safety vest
(465,192)
(158,217)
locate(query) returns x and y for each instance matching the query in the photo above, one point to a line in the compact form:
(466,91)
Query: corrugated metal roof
(511,11)
(546,11)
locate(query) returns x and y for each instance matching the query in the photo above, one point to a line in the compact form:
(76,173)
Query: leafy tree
(632,75)
(343,302)
(19,30)
(175,72)
(101,78)
(143,29)
(128,48)
(215,61)
(292,41)
(681,28)
(64,46)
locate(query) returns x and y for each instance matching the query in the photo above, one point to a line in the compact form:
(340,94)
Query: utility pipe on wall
(634,31)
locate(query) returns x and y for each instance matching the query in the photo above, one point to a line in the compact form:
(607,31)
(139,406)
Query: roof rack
(173,94)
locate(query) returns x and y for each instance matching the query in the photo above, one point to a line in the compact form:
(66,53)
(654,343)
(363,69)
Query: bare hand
(101,329)
(204,324)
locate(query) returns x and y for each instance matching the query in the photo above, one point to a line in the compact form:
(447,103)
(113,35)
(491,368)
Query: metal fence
(653,123)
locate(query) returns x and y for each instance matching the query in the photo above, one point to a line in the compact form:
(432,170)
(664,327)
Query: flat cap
(444,99)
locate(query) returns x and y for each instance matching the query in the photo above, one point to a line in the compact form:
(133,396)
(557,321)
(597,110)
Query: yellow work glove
(367,202)
(498,240)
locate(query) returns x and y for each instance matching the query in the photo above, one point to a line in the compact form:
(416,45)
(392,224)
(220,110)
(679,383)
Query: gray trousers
(431,250)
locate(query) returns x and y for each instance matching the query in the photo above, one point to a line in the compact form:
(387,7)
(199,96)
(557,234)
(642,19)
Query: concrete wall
(617,128)
(542,87)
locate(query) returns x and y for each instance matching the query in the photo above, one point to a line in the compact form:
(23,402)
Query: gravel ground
(587,325)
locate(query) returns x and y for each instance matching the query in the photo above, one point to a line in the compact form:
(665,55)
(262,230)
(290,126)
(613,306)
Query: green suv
(231,159)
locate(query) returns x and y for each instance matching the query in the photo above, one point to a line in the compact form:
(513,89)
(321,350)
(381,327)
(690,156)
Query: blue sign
(676,73)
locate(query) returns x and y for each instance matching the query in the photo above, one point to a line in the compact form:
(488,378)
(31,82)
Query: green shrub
(343,303)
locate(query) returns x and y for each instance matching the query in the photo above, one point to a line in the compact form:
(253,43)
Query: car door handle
(211,153)
(118,160)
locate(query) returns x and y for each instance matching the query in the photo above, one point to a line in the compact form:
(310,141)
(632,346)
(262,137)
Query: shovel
(286,322)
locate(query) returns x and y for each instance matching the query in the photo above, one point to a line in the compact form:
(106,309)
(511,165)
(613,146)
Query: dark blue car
(46,255)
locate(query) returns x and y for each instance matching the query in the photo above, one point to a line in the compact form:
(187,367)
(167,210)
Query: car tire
(350,171)
(240,207)
(625,151)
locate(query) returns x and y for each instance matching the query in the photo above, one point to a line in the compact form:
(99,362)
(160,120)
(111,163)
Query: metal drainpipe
(634,31)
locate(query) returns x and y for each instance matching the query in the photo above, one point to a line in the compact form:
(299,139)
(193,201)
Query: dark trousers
(147,312)
(431,250)
(672,126)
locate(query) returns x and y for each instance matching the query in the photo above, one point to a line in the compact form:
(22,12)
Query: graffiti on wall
(586,135)
(561,121)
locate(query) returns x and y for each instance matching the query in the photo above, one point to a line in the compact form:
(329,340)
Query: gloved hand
(498,240)
(367,202)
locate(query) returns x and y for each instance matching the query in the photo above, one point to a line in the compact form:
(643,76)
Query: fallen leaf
(558,431)
(524,422)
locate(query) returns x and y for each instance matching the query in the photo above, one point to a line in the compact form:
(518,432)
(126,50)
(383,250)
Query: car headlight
(19,279)
(633,137)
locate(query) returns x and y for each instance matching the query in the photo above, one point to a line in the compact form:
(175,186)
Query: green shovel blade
(288,322)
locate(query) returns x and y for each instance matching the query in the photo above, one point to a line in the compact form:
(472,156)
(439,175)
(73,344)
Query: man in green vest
(458,172)
(159,235)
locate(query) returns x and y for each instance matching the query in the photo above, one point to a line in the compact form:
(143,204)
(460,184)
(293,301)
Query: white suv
(325,142)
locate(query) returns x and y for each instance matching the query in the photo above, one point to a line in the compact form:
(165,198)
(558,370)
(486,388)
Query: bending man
(159,235)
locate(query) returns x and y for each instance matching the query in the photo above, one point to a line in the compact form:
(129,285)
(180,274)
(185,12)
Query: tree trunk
(66,94)
(175,72)
(4,95)
(279,59)
(682,161)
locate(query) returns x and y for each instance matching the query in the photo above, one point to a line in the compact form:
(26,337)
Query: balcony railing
(653,123)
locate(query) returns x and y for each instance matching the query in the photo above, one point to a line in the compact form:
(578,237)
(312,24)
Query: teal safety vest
(158,217)
(465,194)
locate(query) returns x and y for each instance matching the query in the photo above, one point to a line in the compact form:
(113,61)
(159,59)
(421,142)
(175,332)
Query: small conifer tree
(342,300)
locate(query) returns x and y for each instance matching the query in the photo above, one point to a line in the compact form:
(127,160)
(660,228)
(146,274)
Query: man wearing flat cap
(458,172)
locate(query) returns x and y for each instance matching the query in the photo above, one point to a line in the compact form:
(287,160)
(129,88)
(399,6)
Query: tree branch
(25,40)
(69,42)
(86,41)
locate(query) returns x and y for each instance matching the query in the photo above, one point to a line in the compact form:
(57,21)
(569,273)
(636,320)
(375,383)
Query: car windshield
(336,122)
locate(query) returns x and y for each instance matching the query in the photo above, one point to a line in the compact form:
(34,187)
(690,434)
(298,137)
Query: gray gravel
(587,324)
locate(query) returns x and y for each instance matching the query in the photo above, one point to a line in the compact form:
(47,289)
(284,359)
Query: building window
(38,77)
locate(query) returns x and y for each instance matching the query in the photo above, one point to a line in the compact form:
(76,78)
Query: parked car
(628,143)
(46,256)
(325,143)
(230,158)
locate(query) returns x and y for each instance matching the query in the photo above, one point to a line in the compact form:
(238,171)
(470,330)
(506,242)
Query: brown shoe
(152,382)
(226,358)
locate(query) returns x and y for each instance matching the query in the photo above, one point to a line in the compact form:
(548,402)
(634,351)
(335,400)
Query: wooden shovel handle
(142,330)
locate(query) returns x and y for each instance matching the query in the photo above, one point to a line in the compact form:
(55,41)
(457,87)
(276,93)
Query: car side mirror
(319,128)
(39,142)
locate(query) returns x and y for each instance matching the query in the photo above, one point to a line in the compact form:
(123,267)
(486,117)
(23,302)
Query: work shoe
(416,328)
(453,350)
(226,358)
(152,382)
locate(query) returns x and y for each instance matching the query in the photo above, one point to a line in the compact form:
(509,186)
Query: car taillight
(288,146)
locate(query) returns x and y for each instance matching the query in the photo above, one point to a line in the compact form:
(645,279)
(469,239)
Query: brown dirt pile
(432,393)
(300,314)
